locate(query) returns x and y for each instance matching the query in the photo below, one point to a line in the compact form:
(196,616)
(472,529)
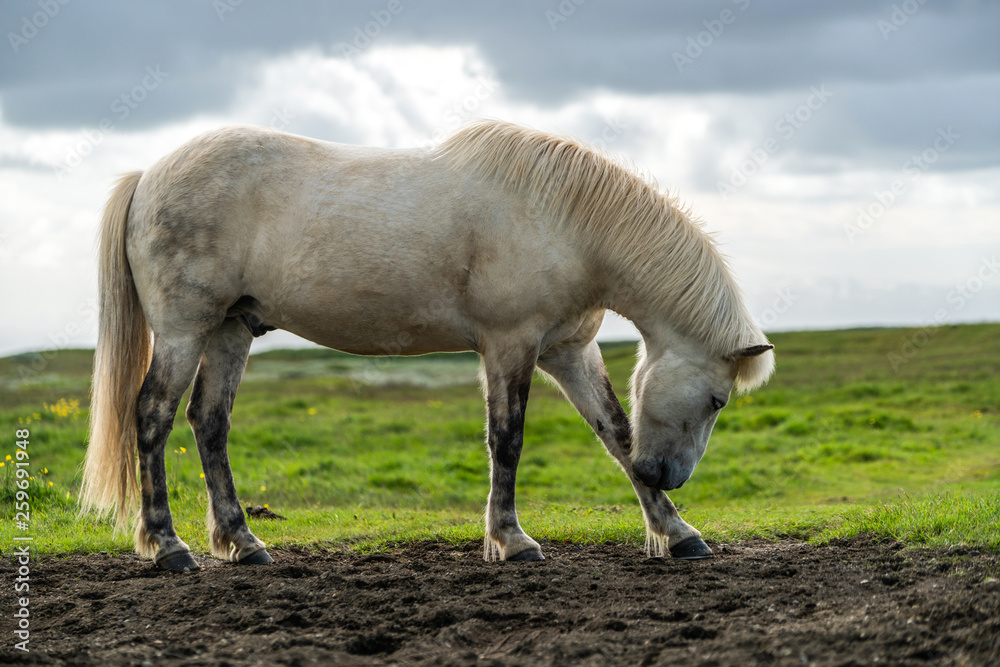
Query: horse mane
(670,261)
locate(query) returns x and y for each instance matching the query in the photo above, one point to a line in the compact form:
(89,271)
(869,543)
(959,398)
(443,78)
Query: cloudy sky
(847,154)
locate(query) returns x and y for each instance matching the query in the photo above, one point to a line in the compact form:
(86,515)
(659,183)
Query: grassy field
(890,431)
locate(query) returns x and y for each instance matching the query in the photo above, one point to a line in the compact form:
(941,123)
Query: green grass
(845,439)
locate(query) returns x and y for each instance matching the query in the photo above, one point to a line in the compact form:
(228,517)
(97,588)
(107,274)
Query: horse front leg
(581,374)
(507,380)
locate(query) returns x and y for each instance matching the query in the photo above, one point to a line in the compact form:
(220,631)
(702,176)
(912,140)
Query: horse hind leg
(209,413)
(173,364)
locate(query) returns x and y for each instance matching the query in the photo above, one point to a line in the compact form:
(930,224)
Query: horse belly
(377,324)
(405,291)
(369,289)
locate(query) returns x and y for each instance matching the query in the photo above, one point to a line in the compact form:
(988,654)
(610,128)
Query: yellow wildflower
(62,408)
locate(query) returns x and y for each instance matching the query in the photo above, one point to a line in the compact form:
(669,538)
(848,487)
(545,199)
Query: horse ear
(751,351)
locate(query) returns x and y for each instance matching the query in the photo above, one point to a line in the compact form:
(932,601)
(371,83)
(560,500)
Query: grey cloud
(892,86)
(17,163)
(130,100)
(905,118)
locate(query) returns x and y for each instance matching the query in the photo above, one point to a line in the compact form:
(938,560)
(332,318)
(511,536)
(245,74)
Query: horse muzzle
(658,473)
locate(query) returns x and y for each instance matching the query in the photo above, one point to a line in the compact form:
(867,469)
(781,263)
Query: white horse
(503,240)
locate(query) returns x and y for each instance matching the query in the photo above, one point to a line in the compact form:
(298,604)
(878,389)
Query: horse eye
(717,404)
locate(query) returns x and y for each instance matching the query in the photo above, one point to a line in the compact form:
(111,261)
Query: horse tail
(121,360)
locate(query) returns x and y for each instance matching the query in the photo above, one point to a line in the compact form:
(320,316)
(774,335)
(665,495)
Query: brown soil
(847,603)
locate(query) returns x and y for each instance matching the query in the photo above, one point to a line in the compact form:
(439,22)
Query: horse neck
(628,293)
(658,332)
(649,297)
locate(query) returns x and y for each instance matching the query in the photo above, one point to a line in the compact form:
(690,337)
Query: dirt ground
(855,602)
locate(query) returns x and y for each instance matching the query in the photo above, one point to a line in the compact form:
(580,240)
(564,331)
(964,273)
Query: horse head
(677,394)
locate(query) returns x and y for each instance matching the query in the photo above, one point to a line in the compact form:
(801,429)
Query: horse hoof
(693,548)
(182,561)
(527,555)
(257,558)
